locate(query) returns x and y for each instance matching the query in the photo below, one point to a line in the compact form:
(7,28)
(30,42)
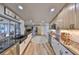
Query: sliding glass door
(9,28)
(4,28)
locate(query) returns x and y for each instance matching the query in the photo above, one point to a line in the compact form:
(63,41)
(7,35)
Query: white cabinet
(55,46)
(67,18)
(59,48)
(25,43)
(77,15)
(22,47)
(9,12)
(1,9)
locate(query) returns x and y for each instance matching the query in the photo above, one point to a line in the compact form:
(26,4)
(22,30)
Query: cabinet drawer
(59,48)
(56,46)
(64,51)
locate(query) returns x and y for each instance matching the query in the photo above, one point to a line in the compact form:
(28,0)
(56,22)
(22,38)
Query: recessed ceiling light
(52,10)
(20,7)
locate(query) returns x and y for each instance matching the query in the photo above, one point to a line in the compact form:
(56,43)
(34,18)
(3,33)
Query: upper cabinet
(8,12)
(1,9)
(77,16)
(68,18)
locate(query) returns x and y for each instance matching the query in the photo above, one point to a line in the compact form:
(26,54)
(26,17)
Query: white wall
(46,29)
(43,29)
(22,27)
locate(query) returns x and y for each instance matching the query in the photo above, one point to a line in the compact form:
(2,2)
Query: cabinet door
(1,9)
(70,15)
(66,18)
(64,51)
(77,15)
(25,43)
(22,47)
(59,49)
(55,46)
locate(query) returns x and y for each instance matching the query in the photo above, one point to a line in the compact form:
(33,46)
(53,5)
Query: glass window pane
(17,29)
(4,27)
(12,29)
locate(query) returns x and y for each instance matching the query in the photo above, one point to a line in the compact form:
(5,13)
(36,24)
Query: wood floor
(39,46)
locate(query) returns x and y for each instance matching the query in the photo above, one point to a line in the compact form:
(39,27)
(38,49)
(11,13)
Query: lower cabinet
(59,49)
(25,43)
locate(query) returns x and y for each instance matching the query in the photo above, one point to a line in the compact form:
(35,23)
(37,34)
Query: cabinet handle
(58,43)
(61,52)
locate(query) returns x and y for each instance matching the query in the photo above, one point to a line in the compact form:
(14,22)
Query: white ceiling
(37,12)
